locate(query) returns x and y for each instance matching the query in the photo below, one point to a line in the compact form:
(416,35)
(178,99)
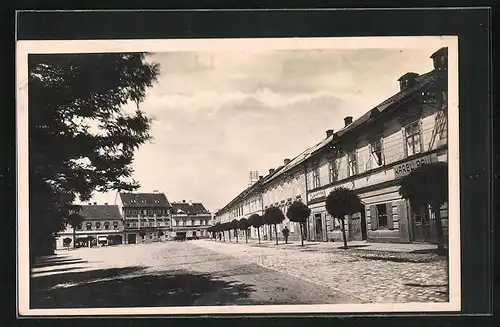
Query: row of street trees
(425,186)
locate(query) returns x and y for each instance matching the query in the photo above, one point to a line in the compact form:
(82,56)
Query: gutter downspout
(307,202)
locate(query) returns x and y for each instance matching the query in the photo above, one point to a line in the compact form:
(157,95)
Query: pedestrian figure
(285,232)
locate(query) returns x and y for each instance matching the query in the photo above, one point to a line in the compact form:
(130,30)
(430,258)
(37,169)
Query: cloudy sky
(219,115)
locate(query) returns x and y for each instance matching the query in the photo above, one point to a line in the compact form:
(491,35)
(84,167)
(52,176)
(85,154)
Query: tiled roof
(100,212)
(190,209)
(144,200)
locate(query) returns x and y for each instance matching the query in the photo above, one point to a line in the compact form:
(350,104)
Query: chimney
(183,201)
(407,80)
(329,132)
(261,177)
(155,191)
(271,171)
(95,203)
(190,202)
(105,203)
(90,203)
(286,161)
(348,120)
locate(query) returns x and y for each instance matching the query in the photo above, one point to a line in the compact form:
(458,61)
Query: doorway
(318,227)
(132,239)
(421,224)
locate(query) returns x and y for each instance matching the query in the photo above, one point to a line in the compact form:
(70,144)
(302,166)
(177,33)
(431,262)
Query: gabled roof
(100,212)
(144,200)
(190,208)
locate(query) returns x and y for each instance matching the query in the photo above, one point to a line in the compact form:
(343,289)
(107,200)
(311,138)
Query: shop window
(376,152)
(332,170)
(382,215)
(352,165)
(143,224)
(412,138)
(316,181)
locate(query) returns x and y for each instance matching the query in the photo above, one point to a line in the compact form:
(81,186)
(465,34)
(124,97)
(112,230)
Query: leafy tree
(234,227)
(244,225)
(75,220)
(142,233)
(274,216)
(256,221)
(428,186)
(81,140)
(340,203)
(299,212)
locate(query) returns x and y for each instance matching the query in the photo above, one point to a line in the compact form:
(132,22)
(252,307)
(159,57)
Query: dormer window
(407,80)
(440,59)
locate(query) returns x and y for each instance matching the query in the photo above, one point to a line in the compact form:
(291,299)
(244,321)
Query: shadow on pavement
(134,287)
(58,263)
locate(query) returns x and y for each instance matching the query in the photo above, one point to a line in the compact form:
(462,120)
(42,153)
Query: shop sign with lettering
(405,168)
(317,195)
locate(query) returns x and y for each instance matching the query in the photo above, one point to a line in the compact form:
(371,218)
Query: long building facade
(368,155)
(102,225)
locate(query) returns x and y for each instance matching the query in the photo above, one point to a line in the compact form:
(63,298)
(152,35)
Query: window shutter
(390,223)
(332,222)
(373,217)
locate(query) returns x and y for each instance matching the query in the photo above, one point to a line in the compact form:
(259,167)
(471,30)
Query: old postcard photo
(293,175)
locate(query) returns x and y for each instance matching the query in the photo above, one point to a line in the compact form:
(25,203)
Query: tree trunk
(236,235)
(343,233)
(74,237)
(301,235)
(229,233)
(258,233)
(270,232)
(439,230)
(224,237)
(246,235)
(276,233)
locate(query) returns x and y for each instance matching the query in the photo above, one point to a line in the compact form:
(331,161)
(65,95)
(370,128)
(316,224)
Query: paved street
(166,274)
(205,272)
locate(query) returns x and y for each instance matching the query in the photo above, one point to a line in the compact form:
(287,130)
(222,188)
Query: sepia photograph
(284,175)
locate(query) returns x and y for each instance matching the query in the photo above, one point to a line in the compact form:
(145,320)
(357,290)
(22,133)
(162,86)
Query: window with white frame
(316,181)
(412,138)
(332,170)
(377,152)
(352,165)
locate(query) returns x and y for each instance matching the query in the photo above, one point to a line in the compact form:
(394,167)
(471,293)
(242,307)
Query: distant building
(146,215)
(102,225)
(190,220)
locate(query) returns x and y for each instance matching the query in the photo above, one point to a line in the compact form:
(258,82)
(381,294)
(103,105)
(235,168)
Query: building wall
(94,231)
(145,224)
(377,184)
(281,192)
(191,225)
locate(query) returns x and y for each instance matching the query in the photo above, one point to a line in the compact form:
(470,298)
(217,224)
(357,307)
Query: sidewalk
(376,277)
(352,245)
